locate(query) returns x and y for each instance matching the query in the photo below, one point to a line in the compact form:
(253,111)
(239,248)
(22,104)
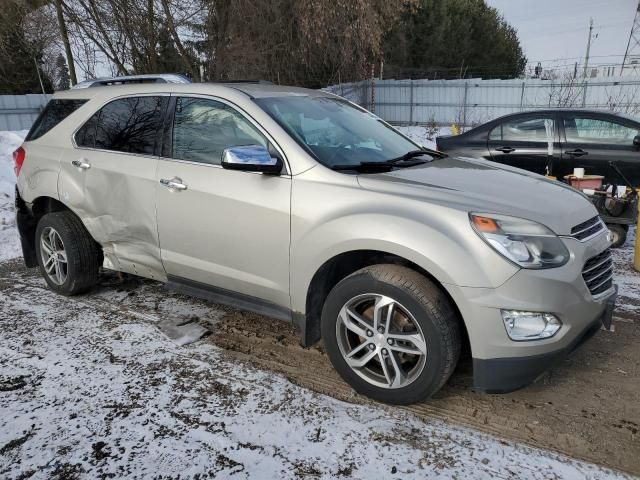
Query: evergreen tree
(169,59)
(452,39)
(62,71)
(19,57)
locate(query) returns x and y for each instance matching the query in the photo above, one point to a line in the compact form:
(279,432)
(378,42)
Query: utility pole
(633,45)
(586,59)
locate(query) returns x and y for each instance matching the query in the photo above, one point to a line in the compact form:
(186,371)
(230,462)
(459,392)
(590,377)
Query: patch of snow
(9,241)
(96,392)
(627,279)
(423,136)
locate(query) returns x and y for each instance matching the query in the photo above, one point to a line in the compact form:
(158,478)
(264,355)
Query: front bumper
(503,375)
(501,364)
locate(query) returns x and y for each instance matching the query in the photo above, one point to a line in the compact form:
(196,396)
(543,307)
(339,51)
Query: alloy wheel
(381,341)
(54,256)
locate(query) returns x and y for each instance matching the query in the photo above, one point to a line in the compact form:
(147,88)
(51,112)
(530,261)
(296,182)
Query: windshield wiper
(414,154)
(365,167)
(407,156)
(385,166)
(409,159)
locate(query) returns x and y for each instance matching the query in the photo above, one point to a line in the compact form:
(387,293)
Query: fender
(449,256)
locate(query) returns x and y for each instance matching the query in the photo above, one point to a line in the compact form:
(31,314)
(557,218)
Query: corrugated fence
(473,101)
(18,112)
(415,102)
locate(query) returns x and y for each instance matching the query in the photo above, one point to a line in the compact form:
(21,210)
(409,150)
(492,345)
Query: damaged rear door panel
(109,181)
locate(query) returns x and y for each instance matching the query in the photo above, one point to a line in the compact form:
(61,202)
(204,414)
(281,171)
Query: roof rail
(127,79)
(261,82)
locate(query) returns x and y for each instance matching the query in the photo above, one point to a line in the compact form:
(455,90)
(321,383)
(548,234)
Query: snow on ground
(93,392)
(423,135)
(9,244)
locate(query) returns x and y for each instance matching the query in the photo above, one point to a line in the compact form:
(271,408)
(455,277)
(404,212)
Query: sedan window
(593,130)
(524,130)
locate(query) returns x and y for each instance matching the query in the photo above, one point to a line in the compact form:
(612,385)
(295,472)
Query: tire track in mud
(567,428)
(586,408)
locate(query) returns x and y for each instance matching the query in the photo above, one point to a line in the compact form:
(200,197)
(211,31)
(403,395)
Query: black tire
(430,308)
(618,235)
(82,252)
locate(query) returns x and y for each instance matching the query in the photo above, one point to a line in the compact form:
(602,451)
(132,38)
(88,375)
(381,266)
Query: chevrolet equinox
(305,207)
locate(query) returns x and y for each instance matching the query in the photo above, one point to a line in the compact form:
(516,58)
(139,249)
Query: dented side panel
(39,174)
(115,198)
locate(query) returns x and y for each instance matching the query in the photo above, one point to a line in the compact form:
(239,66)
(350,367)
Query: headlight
(525,243)
(530,325)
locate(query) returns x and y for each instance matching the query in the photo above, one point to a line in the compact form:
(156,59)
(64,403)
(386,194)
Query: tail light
(18,160)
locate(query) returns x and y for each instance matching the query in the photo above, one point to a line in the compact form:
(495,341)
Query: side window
(128,125)
(496,133)
(55,112)
(538,129)
(203,128)
(579,129)
(86,136)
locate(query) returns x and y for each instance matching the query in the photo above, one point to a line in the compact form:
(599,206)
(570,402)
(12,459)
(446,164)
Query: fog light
(530,325)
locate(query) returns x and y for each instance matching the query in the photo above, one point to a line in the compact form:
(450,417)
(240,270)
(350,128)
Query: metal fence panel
(18,112)
(473,101)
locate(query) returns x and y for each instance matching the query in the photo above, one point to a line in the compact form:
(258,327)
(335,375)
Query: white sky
(558,29)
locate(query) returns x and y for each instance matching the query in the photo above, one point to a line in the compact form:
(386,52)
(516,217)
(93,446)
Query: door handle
(82,164)
(173,184)
(505,149)
(576,153)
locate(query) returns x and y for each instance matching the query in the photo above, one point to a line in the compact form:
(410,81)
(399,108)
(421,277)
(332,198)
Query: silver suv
(304,207)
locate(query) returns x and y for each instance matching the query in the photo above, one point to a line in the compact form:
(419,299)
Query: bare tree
(566,91)
(128,32)
(304,42)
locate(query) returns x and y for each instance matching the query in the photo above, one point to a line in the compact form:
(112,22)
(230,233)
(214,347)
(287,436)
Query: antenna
(632,53)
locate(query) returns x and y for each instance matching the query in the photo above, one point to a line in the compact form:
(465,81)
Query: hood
(486,187)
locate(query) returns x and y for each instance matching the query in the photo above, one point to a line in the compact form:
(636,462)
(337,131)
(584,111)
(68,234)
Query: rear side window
(129,125)
(55,112)
(595,130)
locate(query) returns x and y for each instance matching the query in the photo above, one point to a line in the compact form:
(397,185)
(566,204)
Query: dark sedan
(555,142)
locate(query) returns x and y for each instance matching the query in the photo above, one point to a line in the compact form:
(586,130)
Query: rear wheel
(391,334)
(69,259)
(618,234)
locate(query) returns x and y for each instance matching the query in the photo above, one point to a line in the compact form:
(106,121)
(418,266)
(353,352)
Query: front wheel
(69,259)
(391,334)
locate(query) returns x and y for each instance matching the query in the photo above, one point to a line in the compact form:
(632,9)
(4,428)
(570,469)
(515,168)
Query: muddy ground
(587,407)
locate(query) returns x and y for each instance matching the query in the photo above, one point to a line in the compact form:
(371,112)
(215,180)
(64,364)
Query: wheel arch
(28,217)
(339,267)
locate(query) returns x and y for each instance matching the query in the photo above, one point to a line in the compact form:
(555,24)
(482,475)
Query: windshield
(334,131)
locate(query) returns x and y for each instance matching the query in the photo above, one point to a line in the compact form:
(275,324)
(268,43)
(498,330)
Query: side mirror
(636,141)
(251,158)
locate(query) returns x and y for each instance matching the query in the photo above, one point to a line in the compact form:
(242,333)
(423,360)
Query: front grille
(598,273)
(587,229)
